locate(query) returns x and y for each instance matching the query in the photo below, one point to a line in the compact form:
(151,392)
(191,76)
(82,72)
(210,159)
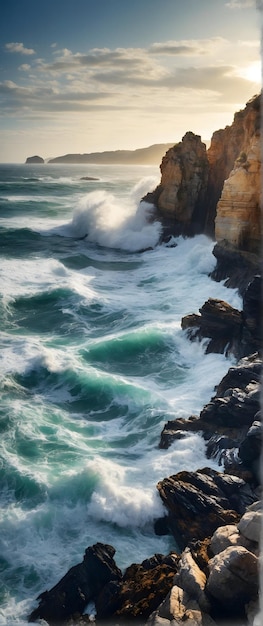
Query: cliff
(216,192)
(180,197)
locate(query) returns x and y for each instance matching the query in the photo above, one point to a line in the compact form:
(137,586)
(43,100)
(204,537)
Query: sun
(252,72)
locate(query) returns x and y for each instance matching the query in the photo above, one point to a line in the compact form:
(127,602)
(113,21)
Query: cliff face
(216,191)
(233,190)
(238,210)
(181,193)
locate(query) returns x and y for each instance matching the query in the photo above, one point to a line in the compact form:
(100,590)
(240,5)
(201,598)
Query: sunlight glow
(252,72)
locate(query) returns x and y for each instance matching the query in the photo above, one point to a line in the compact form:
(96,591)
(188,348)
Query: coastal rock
(217,191)
(238,210)
(236,147)
(180,196)
(229,330)
(234,578)
(142,590)
(192,579)
(35,159)
(81,584)
(237,268)
(179,609)
(226,420)
(198,502)
(219,322)
(250,525)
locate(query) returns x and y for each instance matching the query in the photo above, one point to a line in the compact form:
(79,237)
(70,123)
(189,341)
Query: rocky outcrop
(230,422)
(180,196)
(79,586)
(223,587)
(198,502)
(35,159)
(219,322)
(228,330)
(230,148)
(216,192)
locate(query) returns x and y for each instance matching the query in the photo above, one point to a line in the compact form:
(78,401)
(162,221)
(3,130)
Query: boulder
(250,526)
(179,609)
(234,579)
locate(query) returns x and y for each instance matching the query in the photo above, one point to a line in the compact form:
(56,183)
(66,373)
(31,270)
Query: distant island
(152,155)
(35,159)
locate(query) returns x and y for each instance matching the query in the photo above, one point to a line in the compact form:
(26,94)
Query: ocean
(93,363)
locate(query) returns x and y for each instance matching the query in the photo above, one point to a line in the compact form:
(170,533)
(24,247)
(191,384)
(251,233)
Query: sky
(82,76)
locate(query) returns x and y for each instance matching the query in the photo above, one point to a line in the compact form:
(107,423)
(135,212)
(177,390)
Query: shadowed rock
(79,586)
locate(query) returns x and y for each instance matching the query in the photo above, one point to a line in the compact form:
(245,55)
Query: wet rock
(219,322)
(199,502)
(79,586)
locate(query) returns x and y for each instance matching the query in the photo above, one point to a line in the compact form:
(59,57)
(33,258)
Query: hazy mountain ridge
(151,155)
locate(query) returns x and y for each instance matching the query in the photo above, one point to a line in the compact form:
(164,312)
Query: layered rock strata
(216,192)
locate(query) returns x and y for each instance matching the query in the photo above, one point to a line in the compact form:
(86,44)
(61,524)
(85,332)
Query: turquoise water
(93,363)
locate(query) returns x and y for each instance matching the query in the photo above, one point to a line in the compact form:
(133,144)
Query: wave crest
(123,223)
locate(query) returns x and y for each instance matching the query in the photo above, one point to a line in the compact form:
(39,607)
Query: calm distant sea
(93,363)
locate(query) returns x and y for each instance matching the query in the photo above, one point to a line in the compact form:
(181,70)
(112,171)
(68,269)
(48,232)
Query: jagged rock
(198,502)
(226,419)
(188,198)
(79,586)
(35,159)
(237,268)
(252,316)
(219,322)
(180,196)
(250,449)
(234,578)
(143,588)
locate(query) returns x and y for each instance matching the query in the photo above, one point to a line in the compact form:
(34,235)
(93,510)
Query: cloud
(187,47)
(24,67)
(19,47)
(242,4)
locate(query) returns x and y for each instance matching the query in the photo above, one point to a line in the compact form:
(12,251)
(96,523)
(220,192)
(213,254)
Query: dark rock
(88,178)
(35,159)
(225,420)
(252,317)
(79,586)
(250,449)
(219,322)
(143,587)
(235,267)
(199,502)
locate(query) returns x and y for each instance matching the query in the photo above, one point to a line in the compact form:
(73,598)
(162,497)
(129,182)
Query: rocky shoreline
(214,516)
